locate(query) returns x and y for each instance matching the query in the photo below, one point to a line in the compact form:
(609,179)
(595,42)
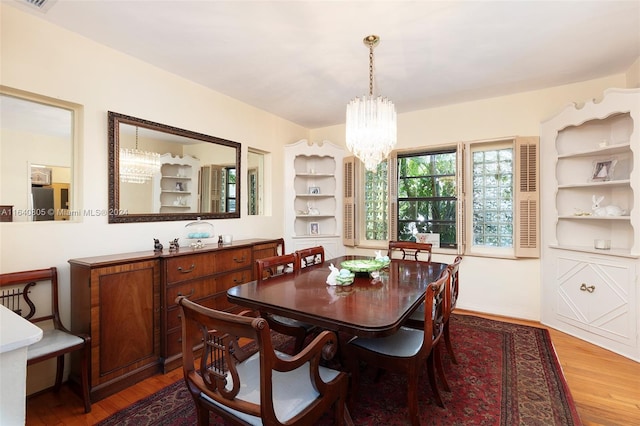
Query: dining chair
(310,256)
(408,350)
(410,250)
(269,267)
(243,379)
(34,296)
(416,318)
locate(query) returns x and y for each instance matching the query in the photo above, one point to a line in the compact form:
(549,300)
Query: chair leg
(203,415)
(84,366)
(59,372)
(412,398)
(432,381)
(437,358)
(447,341)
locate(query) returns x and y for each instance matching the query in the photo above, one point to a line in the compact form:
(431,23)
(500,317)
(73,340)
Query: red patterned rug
(507,374)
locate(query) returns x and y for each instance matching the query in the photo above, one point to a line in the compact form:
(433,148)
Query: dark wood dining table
(367,308)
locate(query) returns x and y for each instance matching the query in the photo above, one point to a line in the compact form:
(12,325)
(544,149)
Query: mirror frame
(114,171)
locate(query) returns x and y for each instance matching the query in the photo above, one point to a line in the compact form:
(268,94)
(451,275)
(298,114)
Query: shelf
(165,191)
(586,249)
(177,207)
(307,236)
(315,195)
(572,217)
(609,183)
(608,150)
(319,216)
(176,177)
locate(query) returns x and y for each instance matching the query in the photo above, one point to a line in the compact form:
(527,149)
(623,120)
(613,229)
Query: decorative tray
(363,265)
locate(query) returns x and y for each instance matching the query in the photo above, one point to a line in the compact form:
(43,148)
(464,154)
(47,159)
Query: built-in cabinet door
(125,319)
(594,293)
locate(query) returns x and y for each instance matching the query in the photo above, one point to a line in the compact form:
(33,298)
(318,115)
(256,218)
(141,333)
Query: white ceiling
(304,60)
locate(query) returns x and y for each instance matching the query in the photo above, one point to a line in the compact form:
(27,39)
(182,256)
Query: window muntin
(427,195)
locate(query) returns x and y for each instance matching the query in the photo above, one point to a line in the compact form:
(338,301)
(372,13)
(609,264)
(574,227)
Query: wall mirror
(36,158)
(255,182)
(159,173)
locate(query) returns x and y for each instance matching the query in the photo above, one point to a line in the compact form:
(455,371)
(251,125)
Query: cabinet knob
(186,271)
(590,288)
(241,260)
(239,281)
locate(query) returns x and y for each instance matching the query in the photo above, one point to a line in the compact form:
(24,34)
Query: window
(480,197)
(229,196)
(427,196)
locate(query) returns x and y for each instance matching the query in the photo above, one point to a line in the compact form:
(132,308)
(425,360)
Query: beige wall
(503,287)
(44,59)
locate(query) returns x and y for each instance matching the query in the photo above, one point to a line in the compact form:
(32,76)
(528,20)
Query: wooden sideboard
(126,302)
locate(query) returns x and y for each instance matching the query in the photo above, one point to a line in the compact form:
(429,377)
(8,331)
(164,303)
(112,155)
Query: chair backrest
(435,306)
(272,266)
(220,376)
(410,250)
(32,294)
(310,256)
(455,283)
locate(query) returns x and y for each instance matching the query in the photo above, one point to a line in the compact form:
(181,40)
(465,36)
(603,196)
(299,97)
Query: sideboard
(126,303)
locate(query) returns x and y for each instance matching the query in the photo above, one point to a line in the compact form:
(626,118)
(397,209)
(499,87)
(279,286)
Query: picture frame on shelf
(314,190)
(603,170)
(314,228)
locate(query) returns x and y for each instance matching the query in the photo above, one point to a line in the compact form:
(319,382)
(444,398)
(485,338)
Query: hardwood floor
(605,387)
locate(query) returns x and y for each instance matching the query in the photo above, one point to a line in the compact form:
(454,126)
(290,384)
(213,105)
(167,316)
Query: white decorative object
(599,210)
(371,121)
(333,275)
(429,238)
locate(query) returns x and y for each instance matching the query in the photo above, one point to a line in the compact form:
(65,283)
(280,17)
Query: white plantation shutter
(527,197)
(349,202)
(461,201)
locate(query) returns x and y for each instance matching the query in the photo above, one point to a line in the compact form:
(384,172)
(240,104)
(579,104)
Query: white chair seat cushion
(52,341)
(404,343)
(292,391)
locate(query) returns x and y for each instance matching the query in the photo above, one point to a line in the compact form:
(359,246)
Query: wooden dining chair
(310,256)
(408,350)
(416,318)
(253,384)
(34,296)
(268,268)
(410,250)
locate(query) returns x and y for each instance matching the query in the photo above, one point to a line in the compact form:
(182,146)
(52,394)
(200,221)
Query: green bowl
(363,265)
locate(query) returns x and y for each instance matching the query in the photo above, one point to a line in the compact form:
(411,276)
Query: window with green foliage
(376,203)
(427,196)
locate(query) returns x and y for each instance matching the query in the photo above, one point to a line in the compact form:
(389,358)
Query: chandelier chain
(370,69)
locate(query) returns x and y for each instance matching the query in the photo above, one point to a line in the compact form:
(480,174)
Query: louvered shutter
(527,198)
(349,202)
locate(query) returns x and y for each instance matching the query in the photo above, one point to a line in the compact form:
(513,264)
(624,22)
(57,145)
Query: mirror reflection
(158,172)
(255,182)
(36,152)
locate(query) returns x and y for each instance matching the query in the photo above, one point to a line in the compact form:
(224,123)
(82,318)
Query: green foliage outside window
(376,203)
(427,196)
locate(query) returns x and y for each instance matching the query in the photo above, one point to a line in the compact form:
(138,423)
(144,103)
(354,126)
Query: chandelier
(137,166)
(371,121)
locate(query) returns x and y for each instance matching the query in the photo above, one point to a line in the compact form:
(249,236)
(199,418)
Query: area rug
(507,374)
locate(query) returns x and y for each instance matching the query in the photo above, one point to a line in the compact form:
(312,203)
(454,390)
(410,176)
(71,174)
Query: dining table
(373,305)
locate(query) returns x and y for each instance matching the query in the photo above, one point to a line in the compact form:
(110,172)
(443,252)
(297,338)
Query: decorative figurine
(157,246)
(173,245)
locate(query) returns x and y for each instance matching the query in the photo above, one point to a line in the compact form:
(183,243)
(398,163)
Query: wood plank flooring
(605,387)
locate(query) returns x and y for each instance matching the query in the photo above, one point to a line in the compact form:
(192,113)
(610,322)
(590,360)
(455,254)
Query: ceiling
(304,60)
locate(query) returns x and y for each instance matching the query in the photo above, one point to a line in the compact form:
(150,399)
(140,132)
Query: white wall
(504,287)
(41,58)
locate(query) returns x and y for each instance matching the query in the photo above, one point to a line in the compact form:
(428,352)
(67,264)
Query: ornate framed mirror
(161,173)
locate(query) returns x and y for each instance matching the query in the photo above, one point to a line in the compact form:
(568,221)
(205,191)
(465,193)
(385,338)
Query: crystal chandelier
(371,121)
(137,166)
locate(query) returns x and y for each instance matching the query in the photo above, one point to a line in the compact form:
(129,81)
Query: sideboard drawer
(193,290)
(189,267)
(229,260)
